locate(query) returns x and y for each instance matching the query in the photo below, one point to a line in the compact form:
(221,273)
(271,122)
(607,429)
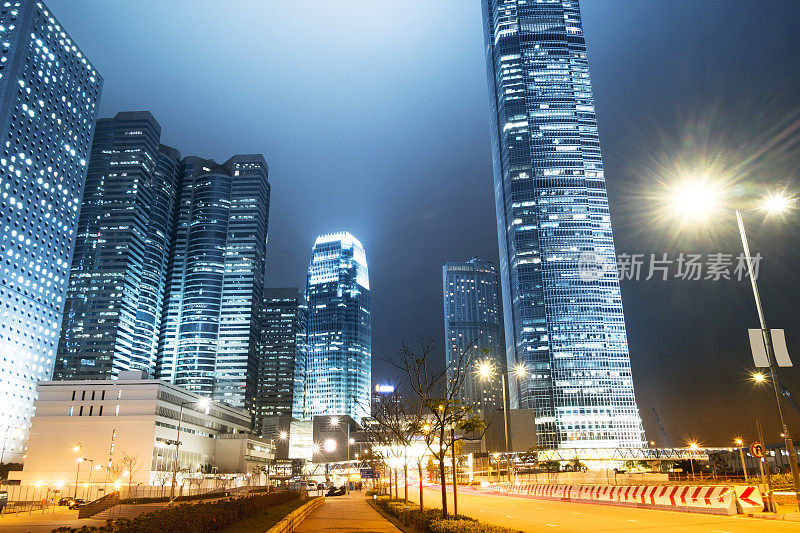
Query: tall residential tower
(473,330)
(339,328)
(215,279)
(281,375)
(113,309)
(552,212)
(49,93)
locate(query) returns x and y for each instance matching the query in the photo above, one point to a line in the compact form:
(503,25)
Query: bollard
(406,513)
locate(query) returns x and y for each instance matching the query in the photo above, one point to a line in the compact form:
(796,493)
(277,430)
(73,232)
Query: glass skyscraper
(281,377)
(215,279)
(473,330)
(552,210)
(49,93)
(115,296)
(339,328)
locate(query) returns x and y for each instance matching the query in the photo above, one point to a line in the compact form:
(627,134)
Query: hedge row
(431,521)
(199,517)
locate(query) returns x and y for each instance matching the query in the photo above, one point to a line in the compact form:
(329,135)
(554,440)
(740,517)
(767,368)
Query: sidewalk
(346,513)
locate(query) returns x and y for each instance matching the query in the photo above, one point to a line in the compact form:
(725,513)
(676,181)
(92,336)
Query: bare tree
(162,477)
(442,408)
(131,464)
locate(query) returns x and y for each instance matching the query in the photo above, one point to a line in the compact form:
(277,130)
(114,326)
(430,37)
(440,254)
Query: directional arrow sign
(757,449)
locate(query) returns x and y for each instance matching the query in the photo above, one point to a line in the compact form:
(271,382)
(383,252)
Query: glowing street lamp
(694,447)
(485,371)
(205,405)
(740,444)
(702,197)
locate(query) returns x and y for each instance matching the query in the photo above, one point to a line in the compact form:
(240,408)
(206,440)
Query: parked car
(64,501)
(333,491)
(321,486)
(312,486)
(76,503)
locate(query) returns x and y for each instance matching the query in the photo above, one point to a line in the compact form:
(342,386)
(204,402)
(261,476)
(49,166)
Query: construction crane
(661,427)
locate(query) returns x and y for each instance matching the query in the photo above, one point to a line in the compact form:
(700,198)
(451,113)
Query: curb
(391,518)
(773,516)
(290,522)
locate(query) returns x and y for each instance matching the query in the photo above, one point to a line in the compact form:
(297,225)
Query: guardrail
(715,499)
(99,505)
(293,519)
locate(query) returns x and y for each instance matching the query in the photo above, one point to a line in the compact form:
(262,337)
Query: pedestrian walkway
(346,513)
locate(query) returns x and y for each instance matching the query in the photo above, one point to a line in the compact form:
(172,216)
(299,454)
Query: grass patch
(263,521)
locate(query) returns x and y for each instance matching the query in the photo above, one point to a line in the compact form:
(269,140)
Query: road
(528,514)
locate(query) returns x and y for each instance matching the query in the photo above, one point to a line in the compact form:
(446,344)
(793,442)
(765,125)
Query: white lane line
(719,531)
(629,520)
(551,525)
(508,516)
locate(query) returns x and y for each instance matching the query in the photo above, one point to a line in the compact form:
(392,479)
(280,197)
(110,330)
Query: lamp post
(703,199)
(79,460)
(740,444)
(485,371)
(203,403)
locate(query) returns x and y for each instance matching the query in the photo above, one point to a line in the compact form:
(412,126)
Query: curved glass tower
(566,328)
(215,280)
(339,328)
(113,309)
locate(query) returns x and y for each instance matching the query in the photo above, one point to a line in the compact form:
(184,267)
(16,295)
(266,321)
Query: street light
(704,198)
(203,403)
(485,371)
(740,444)
(694,447)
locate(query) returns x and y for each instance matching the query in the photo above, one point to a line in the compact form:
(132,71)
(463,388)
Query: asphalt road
(528,514)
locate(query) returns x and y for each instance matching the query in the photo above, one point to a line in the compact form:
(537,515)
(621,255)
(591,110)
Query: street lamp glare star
(485,369)
(695,199)
(334,421)
(777,203)
(758,377)
(520,371)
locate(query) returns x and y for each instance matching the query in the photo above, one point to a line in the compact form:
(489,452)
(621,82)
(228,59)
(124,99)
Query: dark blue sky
(373,117)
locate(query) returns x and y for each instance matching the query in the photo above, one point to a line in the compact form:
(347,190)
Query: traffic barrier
(713,499)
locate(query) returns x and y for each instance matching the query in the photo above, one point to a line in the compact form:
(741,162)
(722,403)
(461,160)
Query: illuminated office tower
(281,375)
(215,279)
(565,325)
(339,328)
(115,296)
(49,93)
(473,330)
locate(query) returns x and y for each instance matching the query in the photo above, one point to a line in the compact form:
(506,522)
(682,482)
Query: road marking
(577,513)
(551,525)
(719,531)
(509,516)
(629,520)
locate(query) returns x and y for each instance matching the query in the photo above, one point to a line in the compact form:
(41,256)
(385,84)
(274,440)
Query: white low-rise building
(124,431)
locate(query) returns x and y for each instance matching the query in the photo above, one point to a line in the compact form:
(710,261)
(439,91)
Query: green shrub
(199,517)
(431,521)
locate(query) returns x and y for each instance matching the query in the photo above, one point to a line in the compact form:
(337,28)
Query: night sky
(373,117)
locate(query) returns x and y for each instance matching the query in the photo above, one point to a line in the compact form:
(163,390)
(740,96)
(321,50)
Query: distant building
(339,327)
(282,350)
(215,281)
(473,330)
(115,296)
(102,421)
(563,308)
(293,438)
(49,94)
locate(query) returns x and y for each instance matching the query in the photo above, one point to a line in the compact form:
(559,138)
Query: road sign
(757,449)
(368,473)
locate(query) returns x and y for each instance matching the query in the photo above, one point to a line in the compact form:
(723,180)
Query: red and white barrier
(715,499)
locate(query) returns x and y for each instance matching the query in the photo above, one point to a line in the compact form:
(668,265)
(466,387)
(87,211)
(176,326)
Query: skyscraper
(281,377)
(473,330)
(49,92)
(114,300)
(215,279)
(339,327)
(552,211)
